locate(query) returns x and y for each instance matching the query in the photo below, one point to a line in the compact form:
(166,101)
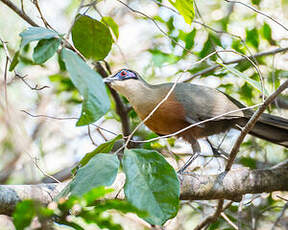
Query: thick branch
(10,195)
(233,184)
(229,185)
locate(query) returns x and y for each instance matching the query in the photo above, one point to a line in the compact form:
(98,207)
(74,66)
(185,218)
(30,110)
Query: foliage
(152,186)
(98,39)
(96,102)
(90,207)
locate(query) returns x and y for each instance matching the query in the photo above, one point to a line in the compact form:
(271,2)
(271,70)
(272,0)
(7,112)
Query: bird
(190,104)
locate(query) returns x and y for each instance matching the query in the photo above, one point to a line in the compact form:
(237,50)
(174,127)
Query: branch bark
(229,185)
(10,195)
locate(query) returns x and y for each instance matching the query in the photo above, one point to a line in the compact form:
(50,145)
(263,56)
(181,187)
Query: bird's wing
(201,103)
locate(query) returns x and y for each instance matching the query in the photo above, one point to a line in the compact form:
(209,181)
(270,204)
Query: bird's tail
(272,128)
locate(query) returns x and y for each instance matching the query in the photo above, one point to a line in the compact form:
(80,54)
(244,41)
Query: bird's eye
(123,73)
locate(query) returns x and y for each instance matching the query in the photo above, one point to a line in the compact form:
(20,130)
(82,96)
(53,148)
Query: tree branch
(10,195)
(237,60)
(250,124)
(229,185)
(213,217)
(21,13)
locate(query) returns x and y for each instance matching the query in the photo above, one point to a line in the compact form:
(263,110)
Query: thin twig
(21,13)
(35,2)
(77,12)
(156,24)
(5,74)
(212,218)
(41,170)
(280,216)
(238,60)
(250,124)
(225,217)
(65,118)
(36,87)
(259,12)
(90,136)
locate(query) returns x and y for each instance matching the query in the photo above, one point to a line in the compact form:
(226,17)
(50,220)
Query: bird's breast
(167,119)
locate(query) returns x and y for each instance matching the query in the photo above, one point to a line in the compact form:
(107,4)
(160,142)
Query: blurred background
(151,41)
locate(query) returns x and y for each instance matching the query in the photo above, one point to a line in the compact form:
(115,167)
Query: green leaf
(207,49)
(91,37)
(256,2)
(151,184)
(112,24)
(246,93)
(159,58)
(252,37)
(250,81)
(26,210)
(185,8)
(24,214)
(170,24)
(189,39)
(14,62)
(35,34)
(90,85)
(95,194)
(267,33)
(119,205)
(248,162)
(101,170)
(61,63)
(103,148)
(102,221)
(45,49)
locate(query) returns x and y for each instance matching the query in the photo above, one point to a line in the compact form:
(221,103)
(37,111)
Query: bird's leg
(196,150)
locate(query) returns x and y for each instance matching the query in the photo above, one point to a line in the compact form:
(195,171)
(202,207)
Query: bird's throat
(139,94)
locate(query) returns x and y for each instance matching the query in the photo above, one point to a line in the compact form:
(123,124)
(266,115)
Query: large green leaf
(185,8)
(35,34)
(151,184)
(103,148)
(101,170)
(90,85)
(250,81)
(91,37)
(45,49)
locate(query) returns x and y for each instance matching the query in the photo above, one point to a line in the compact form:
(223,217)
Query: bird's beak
(109,79)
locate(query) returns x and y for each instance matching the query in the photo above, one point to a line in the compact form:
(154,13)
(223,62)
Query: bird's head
(126,81)
(122,75)
(130,84)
